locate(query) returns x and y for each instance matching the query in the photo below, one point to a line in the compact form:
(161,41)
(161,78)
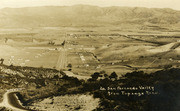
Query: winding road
(10,100)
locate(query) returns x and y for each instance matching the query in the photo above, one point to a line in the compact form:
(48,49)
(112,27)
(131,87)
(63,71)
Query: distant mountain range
(85,15)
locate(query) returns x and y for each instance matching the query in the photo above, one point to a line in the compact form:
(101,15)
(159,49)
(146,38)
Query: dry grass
(67,103)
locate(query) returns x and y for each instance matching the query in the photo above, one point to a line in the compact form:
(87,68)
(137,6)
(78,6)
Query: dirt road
(142,40)
(62,59)
(11,101)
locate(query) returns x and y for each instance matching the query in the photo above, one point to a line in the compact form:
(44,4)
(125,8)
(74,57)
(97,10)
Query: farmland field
(90,50)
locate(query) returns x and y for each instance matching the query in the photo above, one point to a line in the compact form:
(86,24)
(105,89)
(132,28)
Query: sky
(174,4)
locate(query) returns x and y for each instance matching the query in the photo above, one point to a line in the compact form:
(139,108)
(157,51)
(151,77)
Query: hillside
(83,15)
(52,90)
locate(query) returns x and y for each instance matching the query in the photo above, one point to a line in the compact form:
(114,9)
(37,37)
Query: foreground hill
(137,91)
(83,15)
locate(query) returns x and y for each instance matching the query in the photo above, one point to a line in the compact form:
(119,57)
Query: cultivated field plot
(29,56)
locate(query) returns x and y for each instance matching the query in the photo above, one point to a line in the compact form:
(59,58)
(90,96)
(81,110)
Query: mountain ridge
(86,15)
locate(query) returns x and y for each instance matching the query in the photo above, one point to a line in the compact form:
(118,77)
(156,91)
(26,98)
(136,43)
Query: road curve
(11,101)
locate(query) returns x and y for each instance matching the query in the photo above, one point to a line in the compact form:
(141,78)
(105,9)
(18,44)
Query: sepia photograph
(89,55)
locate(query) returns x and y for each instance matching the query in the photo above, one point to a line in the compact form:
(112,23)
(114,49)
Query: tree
(2,60)
(113,75)
(69,65)
(63,43)
(95,75)
(102,72)
(106,76)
